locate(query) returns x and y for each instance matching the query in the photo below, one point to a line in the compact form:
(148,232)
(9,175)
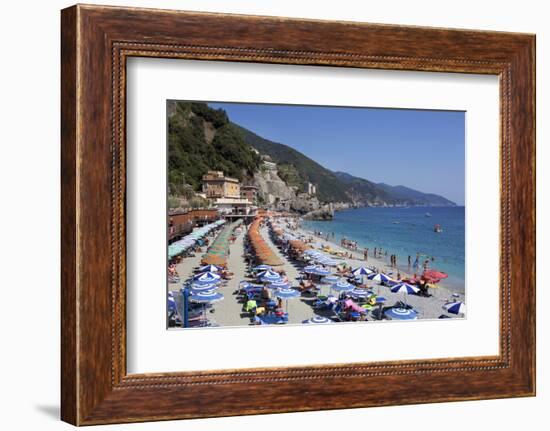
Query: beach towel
(348,303)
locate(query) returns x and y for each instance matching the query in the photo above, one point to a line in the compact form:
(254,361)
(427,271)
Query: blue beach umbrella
(401,314)
(360,293)
(279,284)
(380,277)
(318,320)
(269,277)
(261,268)
(310,269)
(204,298)
(406,289)
(456,307)
(321,271)
(287,294)
(330,279)
(172,303)
(207,276)
(205,282)
(362,271)
(203,287)
(325,260)
(342,286)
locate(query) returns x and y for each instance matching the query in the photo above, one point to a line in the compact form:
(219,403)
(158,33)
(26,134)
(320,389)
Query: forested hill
(202,139)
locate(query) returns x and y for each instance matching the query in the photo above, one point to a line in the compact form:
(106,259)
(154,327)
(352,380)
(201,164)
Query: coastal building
(216,185)
(235,207)
(249,192)
(310,188)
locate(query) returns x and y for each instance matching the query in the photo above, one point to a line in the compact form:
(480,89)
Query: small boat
(438,228)
(427,215)
(395,222)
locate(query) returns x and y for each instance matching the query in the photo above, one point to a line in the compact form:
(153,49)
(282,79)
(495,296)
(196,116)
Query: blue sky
(420,149)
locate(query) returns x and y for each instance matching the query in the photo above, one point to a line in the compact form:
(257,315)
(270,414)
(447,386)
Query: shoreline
(452,283)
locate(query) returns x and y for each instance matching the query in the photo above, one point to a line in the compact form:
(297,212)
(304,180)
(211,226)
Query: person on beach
(409,261)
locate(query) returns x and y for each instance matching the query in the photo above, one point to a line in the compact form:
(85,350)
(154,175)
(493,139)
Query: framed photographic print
(268,215)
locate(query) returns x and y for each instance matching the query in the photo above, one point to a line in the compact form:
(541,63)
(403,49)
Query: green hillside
(202,139)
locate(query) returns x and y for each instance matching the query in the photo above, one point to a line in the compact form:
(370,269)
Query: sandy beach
(229,311)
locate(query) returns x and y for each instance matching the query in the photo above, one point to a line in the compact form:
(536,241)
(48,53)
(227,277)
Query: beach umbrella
(406,289)
(321,271)
(270,277)
(330,279)
(261,268)
(342,286)
(204,298)
(456,307)
(318,320)
(172,307)
(380,277)
(310,269)
(362,271)
(397,313)
(324,260)
(207,276)
(209,268)
(287,294)
(203,287)
(312,252)
(360,293)
(279,284)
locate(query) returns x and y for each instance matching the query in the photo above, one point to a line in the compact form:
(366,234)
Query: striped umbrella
(324,260)
(207,276)
(360,293)
(342,286)
(318,320)
(362,271)
(406,289)
(380,277)
(310,269)
(261,268)
(279,284)
(172,307)
(204,298)
(269,277)
(401,314)
(456,307)
(321,271)
(199,287)
(330,279)
(287,294)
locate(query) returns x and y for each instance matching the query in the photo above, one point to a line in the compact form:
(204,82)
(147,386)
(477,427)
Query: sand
(229,312)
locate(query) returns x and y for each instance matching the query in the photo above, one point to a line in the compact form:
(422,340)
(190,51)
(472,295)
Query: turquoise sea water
(404,232)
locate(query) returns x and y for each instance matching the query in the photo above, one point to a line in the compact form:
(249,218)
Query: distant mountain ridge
(399,195)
